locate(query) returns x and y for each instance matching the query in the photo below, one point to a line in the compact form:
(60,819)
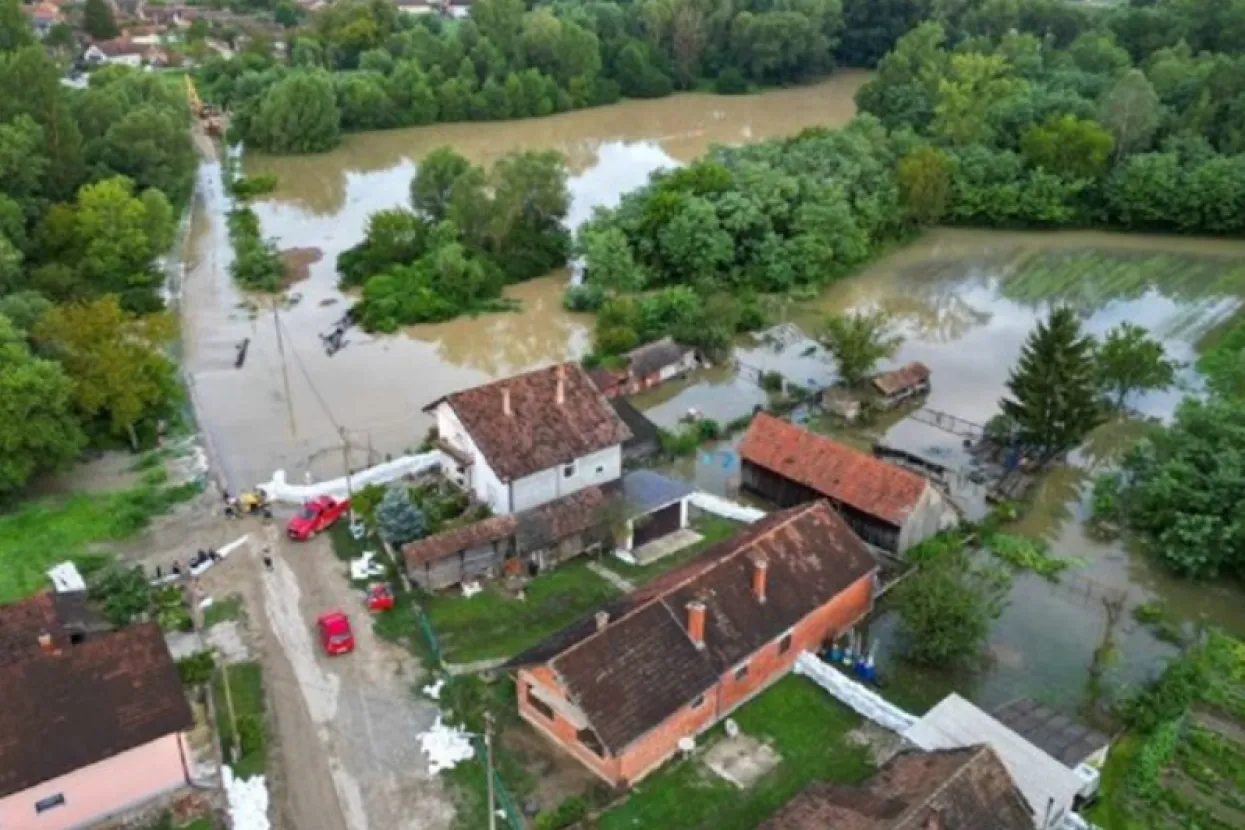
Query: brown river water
(964,300)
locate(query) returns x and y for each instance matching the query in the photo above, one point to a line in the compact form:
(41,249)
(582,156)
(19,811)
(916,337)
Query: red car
(335,633)
(315,516)
(379,597)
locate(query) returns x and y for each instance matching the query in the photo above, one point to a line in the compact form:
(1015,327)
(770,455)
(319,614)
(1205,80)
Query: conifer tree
(398,520)
(1054,401)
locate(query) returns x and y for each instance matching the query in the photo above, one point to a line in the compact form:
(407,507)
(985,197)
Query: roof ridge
(661,596)
(979,751)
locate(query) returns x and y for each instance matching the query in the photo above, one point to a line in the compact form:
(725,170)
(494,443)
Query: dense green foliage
(946,607)
(398,521)
(363,65)
(470,233)
(90,182)
(1053,400)
(857,342)
(257,263)
(1128,360)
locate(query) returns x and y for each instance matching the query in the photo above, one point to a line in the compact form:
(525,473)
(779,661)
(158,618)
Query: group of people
(335,341)
(196,562)
(255,501)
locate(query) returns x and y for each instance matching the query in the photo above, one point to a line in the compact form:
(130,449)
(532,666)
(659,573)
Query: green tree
(1129,360)
(115,359)
(10,266)
(14,27)
(38,430)
(609,262)
(974,83)
(119,235)
(946,607)
(398,520)
(1183,486)
(924,179)
(858,341)
(1132,112)
(1067,145)
(98,21)
(1054,391)
(152,146)
(298,114)
(24,309)
(434,182)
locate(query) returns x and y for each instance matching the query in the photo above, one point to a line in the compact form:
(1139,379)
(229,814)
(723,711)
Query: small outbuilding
(888,506)
(898,385)
(645,440)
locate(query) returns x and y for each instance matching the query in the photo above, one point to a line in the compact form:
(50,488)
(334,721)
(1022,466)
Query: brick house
(647,366)
(93,721)
(958,789)
(619,690)
(530,439)
(886,505)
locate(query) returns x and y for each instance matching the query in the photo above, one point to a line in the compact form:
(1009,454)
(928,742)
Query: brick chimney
(760,569)
(603,619)
(696,622)
(46,644)
(505,401)
(561,383)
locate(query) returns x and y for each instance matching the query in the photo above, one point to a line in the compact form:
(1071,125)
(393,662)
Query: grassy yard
(222,610)
(713,528)
(247,686)
(42,533)
(494,623)
(806,727)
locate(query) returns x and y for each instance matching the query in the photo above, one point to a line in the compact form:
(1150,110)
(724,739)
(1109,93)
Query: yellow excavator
(208,114)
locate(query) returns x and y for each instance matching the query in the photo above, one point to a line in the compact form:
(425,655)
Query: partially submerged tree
(946,608)
(1129,360)
(1054,391)
(858,341)
(398,520)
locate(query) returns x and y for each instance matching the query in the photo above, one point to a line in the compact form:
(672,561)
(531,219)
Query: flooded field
(964,300)
(288,405)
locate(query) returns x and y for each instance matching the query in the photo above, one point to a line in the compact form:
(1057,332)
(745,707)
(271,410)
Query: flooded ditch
(965,301)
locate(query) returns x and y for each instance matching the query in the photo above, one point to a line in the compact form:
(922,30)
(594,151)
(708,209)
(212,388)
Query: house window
(741,672)
(784,645)
(568,470)
(698,702)
(48,803)
(538,704)
(590,740)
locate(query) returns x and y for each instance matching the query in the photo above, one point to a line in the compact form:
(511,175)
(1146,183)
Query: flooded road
(375,388)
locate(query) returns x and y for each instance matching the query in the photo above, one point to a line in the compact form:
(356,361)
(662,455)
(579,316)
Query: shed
(659,361)
(896,386)
(656,506)
(1047,784)
(840,402)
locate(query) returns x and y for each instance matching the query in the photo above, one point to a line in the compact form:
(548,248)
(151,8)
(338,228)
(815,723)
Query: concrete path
(609,576)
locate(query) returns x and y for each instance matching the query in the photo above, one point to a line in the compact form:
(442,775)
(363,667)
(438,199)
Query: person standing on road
(268,559)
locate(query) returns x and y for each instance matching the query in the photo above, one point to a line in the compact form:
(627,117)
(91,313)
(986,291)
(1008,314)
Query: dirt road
(344,754)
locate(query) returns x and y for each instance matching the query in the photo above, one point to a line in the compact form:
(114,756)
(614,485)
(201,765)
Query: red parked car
(335,633)
(379,597)
(315,516)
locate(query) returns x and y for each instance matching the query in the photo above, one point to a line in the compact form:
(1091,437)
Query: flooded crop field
(964,300)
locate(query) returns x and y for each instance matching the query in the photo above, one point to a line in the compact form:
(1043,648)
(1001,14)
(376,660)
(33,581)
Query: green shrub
(586,297)
(248,186)
(569,812)
(708,429)
(196,669)
(730,81)
(250,733)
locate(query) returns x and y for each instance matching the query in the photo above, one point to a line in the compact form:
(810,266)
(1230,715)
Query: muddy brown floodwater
(284,408)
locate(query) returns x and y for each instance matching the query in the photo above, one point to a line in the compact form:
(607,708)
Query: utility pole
(285,374)
(346,463)
(235,743)
(488,751)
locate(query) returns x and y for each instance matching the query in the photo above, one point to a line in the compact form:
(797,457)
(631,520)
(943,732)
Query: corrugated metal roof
(955,722)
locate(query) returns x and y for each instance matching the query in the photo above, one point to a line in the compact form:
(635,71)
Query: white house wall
(930,515)
(481,479)
(540,488)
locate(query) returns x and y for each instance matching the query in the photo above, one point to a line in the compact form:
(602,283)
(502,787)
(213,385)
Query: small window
(48,803)
(784,645)
(698,702)
(539,705)
(600,469)
(741,672)
(590,740)
(568,470)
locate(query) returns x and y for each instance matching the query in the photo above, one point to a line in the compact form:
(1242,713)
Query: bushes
(257,264)
(248,187)
(196,670)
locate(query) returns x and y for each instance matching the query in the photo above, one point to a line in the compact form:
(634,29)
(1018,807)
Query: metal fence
(500,794)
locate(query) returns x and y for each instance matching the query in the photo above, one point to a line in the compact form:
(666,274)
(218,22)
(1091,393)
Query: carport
(656,507)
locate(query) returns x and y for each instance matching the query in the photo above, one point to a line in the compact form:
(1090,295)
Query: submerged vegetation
(469,233)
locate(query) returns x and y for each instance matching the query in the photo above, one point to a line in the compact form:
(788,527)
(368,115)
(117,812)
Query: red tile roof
(64,711)
(958,789)
(642,667)
(832,469)
(897,380)
(540,432)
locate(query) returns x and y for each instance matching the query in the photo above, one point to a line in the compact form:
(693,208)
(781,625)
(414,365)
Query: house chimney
(603,619)
(760,568)
(561,383)
(46,644)
(696,622)
(505,401)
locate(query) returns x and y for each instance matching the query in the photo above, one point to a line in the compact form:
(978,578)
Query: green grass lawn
(222,610)
(494,624)
(247,685)
(805,726)
(713,528)
(40,534)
